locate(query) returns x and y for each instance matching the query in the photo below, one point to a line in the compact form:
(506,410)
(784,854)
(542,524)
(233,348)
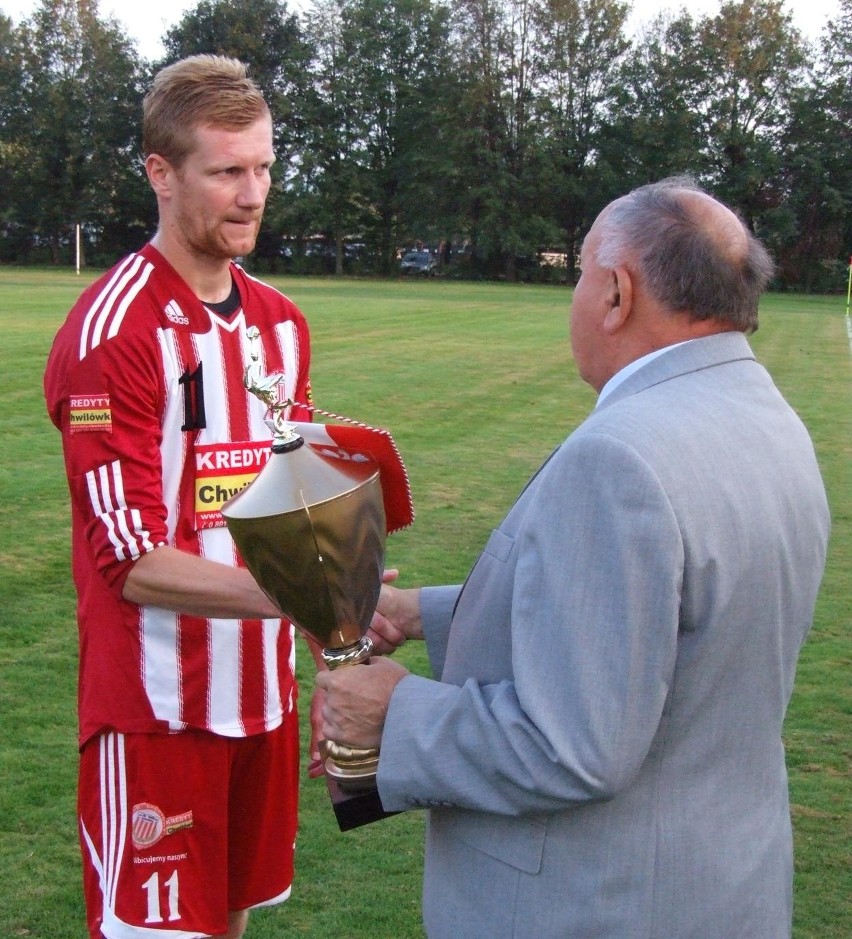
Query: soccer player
(188,777)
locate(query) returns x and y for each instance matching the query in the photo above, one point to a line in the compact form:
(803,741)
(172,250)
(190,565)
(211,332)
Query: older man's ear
(621,303)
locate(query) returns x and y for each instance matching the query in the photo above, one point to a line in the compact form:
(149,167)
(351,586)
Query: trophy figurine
(311,528)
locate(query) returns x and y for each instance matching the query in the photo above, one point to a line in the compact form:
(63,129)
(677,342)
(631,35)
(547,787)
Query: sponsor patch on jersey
(89,413)
(148,824)
(221,471)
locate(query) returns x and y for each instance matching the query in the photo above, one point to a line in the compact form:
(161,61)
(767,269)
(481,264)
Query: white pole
(78,247)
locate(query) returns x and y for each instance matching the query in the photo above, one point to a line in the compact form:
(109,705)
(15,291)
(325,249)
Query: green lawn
(477,385)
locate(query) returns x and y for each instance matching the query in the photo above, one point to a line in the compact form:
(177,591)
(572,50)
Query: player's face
(220,191)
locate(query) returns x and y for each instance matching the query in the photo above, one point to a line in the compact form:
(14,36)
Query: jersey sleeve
(303,395)
(109,416)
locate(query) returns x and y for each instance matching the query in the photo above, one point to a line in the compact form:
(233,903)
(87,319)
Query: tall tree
(582,46)
(78,114)
(752,59)
(329,199)
(12,150)
(501,142)
(397,80)
(813,246)
(712,97)
(657,121)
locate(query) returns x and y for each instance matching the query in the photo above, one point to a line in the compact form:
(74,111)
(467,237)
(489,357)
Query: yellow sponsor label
(89,413)
(221,471)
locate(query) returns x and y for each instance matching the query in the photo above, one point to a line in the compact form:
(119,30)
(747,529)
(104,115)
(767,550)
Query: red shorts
(178,830)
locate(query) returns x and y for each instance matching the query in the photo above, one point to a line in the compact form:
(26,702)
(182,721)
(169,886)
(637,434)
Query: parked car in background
(418,262)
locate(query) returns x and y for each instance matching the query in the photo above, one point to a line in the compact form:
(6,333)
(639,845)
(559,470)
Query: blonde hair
(202,90)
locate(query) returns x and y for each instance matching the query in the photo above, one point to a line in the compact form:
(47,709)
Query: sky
(146,20)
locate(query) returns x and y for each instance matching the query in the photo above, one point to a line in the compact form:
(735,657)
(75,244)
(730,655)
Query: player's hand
(397,617)
(386,638)
(316,767)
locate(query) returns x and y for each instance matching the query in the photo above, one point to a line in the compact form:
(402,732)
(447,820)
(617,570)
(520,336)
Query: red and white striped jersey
(146,385)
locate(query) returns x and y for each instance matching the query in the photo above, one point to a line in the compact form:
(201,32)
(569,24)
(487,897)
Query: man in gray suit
(602,755)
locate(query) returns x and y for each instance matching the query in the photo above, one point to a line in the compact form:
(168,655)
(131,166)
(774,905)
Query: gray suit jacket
(602,756)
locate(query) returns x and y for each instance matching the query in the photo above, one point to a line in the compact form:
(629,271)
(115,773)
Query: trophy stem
(355,654)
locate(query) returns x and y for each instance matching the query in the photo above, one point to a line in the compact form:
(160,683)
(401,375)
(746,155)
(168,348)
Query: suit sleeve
(436,612)
(597,567)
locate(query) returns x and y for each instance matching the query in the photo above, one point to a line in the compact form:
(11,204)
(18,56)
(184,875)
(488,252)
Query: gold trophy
(311,528)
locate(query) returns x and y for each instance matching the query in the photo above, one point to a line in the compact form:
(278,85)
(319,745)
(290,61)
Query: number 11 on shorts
(152,888)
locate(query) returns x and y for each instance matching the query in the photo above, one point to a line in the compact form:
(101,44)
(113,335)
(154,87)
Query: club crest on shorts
(148,824)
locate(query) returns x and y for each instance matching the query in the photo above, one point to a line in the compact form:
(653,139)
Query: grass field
(476,383)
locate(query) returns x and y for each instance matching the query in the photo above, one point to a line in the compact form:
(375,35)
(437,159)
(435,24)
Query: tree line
(491,132)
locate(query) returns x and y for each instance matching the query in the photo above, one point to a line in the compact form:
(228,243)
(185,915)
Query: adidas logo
(176,314)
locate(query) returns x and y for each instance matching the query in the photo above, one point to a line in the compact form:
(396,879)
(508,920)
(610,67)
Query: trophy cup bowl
(311,529)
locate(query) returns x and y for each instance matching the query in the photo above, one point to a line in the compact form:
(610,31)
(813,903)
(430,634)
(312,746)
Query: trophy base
(355,808)
(352,785)
(352,769)
(352,779)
